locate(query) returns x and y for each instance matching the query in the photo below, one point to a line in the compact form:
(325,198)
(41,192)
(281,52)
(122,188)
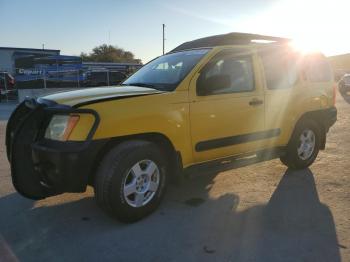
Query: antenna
(163,38)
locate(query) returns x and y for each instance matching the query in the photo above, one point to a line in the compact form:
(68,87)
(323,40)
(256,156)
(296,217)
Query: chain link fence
(42,80)
(8,91)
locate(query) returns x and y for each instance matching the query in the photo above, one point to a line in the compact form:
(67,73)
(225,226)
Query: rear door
(282,79)
(228,117)
(319,77)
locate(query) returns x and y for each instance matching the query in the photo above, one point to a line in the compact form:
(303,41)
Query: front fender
(166,114)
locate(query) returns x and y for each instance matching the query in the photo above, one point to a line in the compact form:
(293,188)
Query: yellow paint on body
(186,119)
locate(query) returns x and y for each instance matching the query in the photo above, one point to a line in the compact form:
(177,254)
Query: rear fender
(325,118)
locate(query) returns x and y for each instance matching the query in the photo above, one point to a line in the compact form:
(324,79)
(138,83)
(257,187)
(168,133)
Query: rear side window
(280,69)
(317,69)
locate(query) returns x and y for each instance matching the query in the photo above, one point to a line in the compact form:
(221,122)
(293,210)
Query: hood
(91,95)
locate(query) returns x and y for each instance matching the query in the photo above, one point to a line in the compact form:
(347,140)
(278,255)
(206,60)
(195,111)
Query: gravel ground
(260,212)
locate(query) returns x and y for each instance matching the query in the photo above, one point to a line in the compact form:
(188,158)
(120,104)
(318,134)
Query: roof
(229,39)
(29,49)
(59,58)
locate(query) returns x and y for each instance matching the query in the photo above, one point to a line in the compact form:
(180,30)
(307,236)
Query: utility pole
(43,46)
(163,37)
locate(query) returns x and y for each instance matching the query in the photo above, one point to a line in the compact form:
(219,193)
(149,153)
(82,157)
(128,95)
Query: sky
(76,26)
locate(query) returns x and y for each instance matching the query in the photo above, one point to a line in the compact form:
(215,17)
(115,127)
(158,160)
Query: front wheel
(303,146)
(130,182)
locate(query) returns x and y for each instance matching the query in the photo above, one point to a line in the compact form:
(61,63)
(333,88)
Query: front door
(227,107)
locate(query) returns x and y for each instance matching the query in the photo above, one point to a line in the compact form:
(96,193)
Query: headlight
(61,126)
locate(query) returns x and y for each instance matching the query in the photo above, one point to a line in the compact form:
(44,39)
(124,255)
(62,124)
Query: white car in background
(344,84)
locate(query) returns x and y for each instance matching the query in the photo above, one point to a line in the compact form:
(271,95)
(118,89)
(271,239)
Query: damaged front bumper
(42,167)
(65,166)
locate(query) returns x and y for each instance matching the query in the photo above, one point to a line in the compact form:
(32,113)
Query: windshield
(166,72)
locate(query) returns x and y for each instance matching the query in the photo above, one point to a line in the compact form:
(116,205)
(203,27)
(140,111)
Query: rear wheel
(304,145)
(130,181)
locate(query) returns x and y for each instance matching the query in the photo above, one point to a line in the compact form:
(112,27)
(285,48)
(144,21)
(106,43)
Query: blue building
(9,55)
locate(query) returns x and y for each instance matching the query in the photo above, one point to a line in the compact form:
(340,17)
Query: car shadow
(189,226)
(293,226)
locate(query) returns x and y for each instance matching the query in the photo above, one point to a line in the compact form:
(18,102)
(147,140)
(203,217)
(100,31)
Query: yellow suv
(208,100)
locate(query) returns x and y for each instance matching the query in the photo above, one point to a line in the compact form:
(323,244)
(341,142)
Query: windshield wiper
(140,84)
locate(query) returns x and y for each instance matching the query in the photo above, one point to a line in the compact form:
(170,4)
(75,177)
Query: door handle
(255,102)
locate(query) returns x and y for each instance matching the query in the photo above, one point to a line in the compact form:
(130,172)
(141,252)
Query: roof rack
(229,39)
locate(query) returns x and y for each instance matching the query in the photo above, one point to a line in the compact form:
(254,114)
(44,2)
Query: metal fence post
(78,74)
(107,77)
(5,84)
(44,78)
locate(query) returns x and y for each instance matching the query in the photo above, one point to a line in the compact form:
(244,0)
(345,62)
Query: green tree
(109,53)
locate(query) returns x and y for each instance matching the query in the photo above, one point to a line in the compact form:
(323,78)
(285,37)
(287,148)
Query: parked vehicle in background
(344,84)
(7,85)
(204,104)
(103,78)
(62,71)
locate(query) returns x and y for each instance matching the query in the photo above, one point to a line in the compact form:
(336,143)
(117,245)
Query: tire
(303,158)
(125,169)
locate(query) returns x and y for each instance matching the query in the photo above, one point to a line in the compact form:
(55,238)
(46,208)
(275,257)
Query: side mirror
(213,84)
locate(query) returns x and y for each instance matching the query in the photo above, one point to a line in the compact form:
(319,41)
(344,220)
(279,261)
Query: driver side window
(226,74)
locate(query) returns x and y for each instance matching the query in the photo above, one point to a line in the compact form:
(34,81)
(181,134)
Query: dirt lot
(261,212)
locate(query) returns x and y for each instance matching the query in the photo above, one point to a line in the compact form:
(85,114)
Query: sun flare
(305,47)
(312,24)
